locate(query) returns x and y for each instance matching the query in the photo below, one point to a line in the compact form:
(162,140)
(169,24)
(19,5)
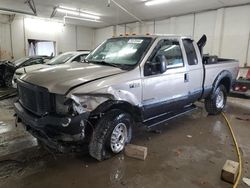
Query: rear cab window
(190,52)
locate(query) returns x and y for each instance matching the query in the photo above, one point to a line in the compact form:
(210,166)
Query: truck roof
(154,36)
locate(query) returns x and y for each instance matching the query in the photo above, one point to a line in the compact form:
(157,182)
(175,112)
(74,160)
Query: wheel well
(134,111)
(226,82)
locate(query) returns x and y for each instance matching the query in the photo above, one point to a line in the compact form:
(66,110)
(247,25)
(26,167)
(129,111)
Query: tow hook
(82,124)
(67,122)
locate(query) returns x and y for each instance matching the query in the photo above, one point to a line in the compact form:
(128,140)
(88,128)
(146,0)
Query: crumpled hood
(31,68)
(59,79)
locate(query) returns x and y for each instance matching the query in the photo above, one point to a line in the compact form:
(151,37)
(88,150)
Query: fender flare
(134,111)
(222,75)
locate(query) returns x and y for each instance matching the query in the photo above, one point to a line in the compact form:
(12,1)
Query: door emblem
(134,85)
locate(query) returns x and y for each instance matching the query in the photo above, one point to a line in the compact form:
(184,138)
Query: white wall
(205,24)
(5,39)
(18,44)
(85,38)
(103,33)
(227,29)
(236,33)
(120,29)
(67,38)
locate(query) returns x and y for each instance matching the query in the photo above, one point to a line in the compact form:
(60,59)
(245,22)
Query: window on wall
(190,51)
(38,47)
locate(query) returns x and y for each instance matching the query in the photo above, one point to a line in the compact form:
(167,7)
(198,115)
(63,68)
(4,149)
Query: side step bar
(168,116)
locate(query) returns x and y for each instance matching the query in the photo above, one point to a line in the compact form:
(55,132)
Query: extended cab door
(167,91)
(195,70)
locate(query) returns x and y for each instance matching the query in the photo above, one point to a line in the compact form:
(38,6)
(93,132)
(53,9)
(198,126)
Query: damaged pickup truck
(125,80)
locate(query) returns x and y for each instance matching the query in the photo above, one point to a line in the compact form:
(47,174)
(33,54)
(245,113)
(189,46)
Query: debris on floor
(6,93)
(230,171)
(246,181)
(178,152)
(137,152)
(243,119)
(156,131)
(189,136)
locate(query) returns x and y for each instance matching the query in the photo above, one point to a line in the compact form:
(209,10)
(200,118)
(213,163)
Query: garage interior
(187,151)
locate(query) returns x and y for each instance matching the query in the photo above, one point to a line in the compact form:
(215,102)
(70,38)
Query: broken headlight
(87,103)
(63,105)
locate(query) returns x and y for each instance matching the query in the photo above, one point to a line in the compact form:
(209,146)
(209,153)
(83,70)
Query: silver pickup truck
(125,80)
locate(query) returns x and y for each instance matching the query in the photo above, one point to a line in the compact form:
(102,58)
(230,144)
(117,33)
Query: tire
(114,125)
(8,80)
(217,101)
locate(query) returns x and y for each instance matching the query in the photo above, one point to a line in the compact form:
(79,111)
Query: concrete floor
(187,152)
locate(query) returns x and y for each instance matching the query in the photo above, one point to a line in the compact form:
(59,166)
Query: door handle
(186,77)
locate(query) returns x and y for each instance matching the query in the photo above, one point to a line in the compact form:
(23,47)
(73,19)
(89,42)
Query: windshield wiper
(104,63)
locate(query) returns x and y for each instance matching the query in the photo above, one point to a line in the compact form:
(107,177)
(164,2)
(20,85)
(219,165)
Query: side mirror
(158,67)
(162,63)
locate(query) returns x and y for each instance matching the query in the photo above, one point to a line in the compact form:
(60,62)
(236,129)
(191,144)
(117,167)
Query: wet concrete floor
(186,152)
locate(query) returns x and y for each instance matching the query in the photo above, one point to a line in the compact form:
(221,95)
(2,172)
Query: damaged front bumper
(63,134)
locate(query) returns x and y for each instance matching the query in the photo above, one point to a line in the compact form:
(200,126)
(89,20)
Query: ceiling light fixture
(68,11)
(78,12)
(89,16)
(90,12)
(156,2)
(68,8)
(79,18)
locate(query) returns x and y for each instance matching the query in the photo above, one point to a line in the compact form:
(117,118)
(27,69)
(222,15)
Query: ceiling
(114,15)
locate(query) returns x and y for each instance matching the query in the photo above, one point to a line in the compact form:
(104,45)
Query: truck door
(195,70)
(167,91)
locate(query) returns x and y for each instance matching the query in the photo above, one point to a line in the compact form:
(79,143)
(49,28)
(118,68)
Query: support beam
(32,6)
(125,10)
(16,11)
(53,12)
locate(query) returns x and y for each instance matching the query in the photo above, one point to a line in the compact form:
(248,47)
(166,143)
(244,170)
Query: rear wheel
(112,133)
(217,101)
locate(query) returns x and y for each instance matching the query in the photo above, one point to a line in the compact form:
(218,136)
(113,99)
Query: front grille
(34,98)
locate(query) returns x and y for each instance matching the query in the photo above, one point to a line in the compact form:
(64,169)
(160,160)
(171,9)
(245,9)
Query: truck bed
(208,60)
(214,66)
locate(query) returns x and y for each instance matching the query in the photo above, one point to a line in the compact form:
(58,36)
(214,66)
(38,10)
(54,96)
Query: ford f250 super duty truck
(125,80)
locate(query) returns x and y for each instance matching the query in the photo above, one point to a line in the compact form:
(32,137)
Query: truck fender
(134,111)
(225,78)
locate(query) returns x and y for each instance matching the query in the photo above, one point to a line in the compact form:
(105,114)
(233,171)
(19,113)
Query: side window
(35,62)
(77,59)
(190,51)
(172,51)
(80,58)
(31,62)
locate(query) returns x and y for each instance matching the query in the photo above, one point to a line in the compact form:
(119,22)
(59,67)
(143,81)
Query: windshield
(60,59)
(120,51)
(20,61)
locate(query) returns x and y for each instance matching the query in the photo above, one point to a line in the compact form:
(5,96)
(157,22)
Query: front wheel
(217,101)
(112,133)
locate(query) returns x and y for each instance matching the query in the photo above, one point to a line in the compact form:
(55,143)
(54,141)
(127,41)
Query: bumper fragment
(48,128)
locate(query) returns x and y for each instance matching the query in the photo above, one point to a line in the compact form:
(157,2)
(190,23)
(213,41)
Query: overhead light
(78,12)
(68,11)
(89,16)
(90,12)
(79,18)
(68,8)
(156,2)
